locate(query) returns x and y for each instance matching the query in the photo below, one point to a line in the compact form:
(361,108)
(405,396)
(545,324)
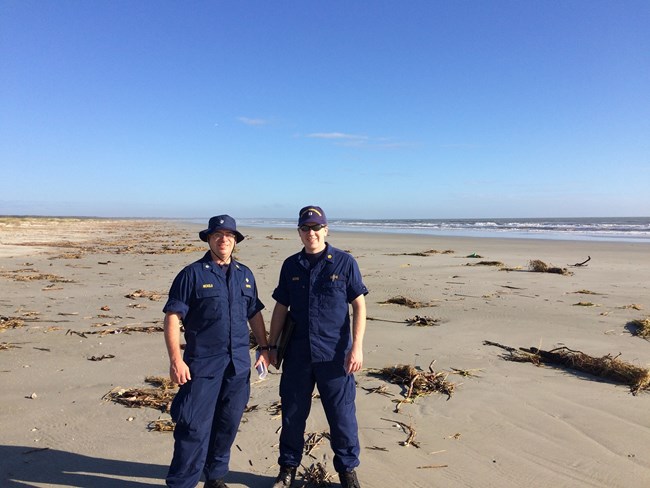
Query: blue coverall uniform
(318,301)
(215,306)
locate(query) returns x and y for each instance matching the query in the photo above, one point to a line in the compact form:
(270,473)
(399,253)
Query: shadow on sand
(22,467)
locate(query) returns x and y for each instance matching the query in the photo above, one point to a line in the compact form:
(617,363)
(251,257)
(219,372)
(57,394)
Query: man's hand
(353,360)
(179,372)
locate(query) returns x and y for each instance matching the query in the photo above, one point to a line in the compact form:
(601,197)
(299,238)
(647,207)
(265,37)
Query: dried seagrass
(159,397)
(162,425)
(429,252)
(498,264)
(608,366)
(316,476)
(151,295)
(538,266)
(313,440)
(418,382)
(11,323)
(407,302)
(642,327)
(120,330)
(422,321)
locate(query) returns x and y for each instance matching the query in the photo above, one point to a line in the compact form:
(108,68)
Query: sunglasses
(315,228)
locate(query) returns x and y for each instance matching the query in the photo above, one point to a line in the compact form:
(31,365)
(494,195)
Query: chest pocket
(333,288)
(207,304)
(203,293)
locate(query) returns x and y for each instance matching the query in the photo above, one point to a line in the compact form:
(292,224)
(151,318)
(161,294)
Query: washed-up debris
(275,409)
(418,383)
(498,264)
(101,358)
(474,255)
(274,238)
(584,304)
(407,302)
(11,323)
(641,327)
(422,321)
(608,366)
(380,390)
(632,306)
(583,263)
(586,292)
(408,429)
(162,425)
(467,373)
(151,295)
(316,476)
(128,329)
(8,345)
(313,440)
(160,397)
(33,275)
(250,408)
(429,252)
(538,266)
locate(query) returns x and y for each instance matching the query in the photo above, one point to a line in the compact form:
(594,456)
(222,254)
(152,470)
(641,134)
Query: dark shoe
(349,479)
(286,477)
(215,484)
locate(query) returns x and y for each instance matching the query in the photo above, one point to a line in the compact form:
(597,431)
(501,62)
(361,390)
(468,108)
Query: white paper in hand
(262,370)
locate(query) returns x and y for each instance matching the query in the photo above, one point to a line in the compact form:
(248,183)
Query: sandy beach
(81,305)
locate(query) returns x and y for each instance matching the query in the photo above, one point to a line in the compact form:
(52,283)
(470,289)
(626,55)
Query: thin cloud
(336,136)
(254,122)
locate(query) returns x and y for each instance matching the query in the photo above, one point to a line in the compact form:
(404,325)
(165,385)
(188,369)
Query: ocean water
(623,229)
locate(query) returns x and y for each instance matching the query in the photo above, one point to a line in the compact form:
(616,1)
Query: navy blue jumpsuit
(318,300)
(215,305)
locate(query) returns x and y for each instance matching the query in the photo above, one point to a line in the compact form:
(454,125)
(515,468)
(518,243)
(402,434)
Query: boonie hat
(311,215)
(221,222)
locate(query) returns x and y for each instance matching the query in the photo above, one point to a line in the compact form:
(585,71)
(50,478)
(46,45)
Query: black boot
(349,479)
(286,477)
(215,484)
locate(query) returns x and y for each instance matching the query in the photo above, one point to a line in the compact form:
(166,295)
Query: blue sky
(371,109)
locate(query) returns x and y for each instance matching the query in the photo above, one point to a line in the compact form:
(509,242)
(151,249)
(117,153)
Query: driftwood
(608,366)
(408,429)
(583,263)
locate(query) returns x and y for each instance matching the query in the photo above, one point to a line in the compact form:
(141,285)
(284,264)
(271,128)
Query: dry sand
(507,424)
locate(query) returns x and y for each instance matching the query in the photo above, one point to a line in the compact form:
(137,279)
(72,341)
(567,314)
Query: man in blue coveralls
(316,287)
(214,298)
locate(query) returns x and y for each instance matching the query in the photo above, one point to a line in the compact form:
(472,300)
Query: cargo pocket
(181,408)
